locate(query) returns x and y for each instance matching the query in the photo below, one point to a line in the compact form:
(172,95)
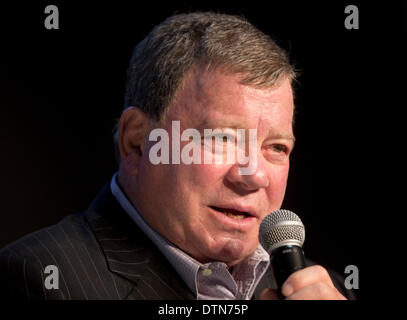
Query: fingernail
(287,289)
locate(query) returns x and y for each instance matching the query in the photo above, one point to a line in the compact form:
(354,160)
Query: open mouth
(231,213)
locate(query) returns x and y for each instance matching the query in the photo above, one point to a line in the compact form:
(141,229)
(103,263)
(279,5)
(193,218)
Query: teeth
(234,216)
(232,213)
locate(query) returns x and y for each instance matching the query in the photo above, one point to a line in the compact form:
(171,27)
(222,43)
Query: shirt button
(207,272)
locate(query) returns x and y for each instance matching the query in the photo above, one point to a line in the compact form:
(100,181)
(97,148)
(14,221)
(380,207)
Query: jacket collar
(130,253)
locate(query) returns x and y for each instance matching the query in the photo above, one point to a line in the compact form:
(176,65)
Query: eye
(278,152)
(224,137)
(279,148)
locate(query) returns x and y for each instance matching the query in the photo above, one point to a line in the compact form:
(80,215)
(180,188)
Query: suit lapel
(131,254)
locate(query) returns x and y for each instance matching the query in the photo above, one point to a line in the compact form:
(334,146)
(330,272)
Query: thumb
(270,294)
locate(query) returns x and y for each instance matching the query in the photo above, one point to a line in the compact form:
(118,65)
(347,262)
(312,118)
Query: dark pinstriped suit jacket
(100,254)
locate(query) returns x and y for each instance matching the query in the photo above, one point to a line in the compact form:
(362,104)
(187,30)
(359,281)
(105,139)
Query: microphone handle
(285,260)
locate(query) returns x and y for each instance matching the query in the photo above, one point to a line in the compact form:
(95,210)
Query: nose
(256,178)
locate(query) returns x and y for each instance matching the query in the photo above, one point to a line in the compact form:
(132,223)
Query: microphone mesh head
(279,228)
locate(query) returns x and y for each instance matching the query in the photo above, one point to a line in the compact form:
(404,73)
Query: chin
(234,251)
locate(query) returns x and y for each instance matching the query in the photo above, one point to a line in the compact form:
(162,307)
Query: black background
(61,90)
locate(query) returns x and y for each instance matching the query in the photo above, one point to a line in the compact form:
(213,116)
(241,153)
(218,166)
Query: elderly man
(173,228)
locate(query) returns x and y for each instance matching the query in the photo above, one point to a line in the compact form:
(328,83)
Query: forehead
(211,96)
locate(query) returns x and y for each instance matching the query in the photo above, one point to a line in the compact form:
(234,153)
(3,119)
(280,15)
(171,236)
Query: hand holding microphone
(282,235)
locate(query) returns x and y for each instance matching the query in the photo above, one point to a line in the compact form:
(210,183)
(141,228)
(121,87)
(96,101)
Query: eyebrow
(283,136)
(204,125)
(226,124)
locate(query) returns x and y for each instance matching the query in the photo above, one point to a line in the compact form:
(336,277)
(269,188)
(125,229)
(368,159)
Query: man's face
(187,203)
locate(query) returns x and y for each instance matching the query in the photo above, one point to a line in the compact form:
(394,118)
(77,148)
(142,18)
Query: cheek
(277,187)
(206,176)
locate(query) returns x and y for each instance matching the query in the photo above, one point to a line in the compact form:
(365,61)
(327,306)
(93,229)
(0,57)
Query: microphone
(282,235)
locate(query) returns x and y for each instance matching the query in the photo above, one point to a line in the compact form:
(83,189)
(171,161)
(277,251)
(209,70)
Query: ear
(134,125)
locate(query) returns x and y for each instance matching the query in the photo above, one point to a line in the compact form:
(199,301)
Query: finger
(317,291)
(270,294)
(305,277)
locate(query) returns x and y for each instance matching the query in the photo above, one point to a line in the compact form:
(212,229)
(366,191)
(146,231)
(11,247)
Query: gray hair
(161,60)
